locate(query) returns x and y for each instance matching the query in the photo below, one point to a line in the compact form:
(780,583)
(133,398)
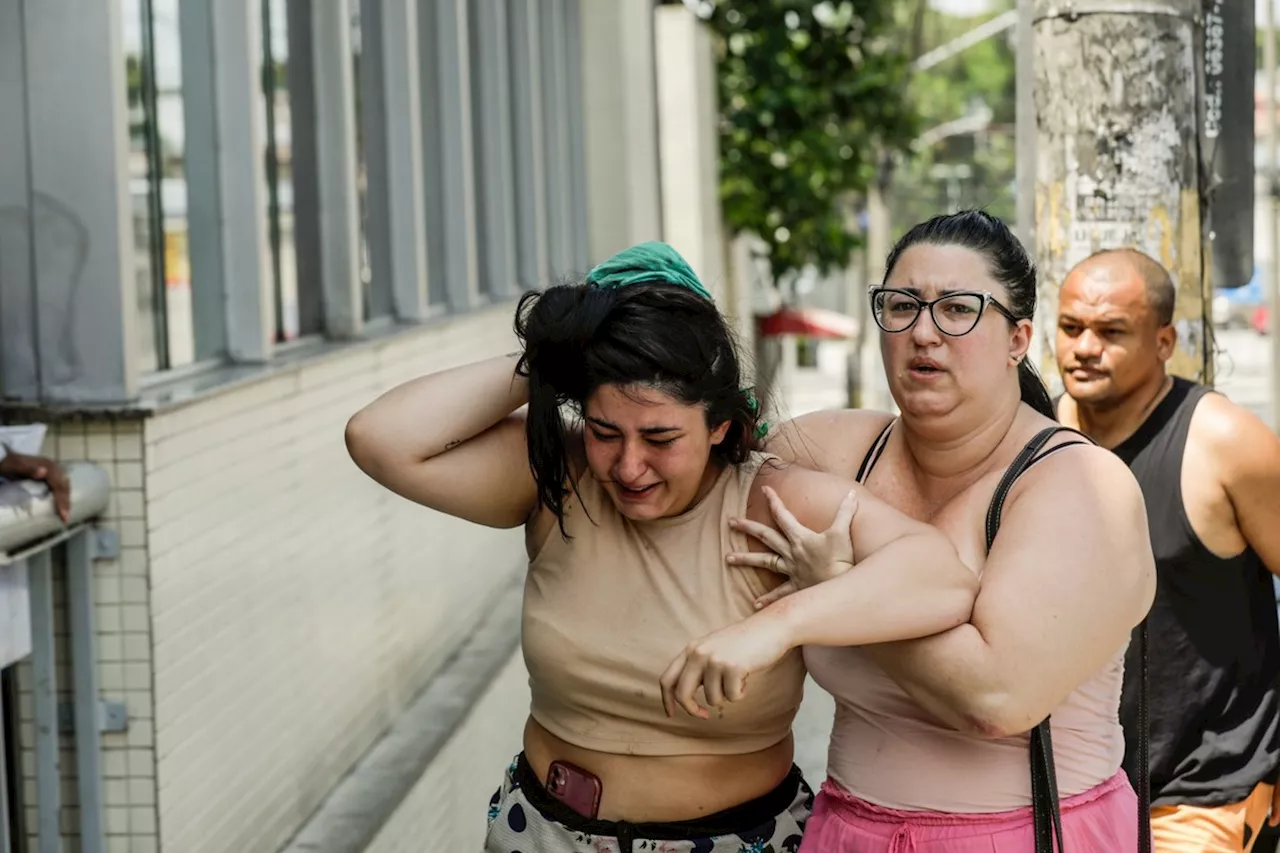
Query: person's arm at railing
(20,466)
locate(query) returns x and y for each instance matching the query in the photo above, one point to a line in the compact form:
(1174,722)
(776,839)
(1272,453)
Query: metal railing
(30,533)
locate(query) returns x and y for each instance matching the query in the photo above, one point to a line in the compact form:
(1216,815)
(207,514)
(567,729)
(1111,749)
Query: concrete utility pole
(873,387)
(1116,104)
(1025,111)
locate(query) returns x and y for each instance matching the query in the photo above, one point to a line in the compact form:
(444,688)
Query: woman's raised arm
(453,441)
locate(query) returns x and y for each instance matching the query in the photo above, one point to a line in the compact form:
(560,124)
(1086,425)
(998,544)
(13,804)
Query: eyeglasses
(955,314)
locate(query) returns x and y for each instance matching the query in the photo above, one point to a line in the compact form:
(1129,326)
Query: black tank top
(1215,651)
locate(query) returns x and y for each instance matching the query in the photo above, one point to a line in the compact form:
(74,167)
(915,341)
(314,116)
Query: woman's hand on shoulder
(806,557)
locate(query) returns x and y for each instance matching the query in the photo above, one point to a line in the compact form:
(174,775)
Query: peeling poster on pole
(1121,185)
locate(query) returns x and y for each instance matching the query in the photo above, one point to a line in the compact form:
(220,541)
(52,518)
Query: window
(278,124)
(157,182)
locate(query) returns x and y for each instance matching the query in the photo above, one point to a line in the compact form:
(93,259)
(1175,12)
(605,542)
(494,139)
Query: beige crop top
(606,612)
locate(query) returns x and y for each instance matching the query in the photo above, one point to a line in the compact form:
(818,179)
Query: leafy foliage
(810,95)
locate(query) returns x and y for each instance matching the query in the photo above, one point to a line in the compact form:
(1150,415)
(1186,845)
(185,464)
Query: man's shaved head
(1115,327)
(1113,264)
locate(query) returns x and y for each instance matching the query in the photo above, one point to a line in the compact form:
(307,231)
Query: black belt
(731,821)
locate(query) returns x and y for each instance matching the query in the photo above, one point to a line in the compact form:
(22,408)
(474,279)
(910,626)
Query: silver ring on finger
(777,563)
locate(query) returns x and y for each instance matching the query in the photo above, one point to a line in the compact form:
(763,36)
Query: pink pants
(1101,820)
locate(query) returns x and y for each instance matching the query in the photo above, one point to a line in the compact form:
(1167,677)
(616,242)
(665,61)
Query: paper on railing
(26,439)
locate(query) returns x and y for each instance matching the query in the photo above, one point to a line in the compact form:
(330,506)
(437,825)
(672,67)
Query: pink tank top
(886,749)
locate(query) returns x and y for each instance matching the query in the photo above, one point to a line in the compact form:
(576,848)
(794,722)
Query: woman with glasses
(930,750)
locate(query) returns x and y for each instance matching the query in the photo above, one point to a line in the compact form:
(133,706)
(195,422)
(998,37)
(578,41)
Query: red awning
(814,322)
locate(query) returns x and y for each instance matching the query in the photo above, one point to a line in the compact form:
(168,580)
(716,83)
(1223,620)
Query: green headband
(647,262)
(658,262)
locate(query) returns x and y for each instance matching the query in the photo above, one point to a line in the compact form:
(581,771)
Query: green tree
(810,95)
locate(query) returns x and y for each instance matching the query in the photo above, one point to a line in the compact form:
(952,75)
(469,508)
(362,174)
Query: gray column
(532,266)
(491,113)
(6,839)
(338,205)
(306,191)
(393,153)
(80,218)
(556,111)
(19,372)
(79,574)
(447,143)
(576,130)
(232,287)
(44,689)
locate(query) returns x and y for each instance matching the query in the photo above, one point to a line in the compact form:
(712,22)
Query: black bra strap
(873,452)
(1028,456)
(1055,449)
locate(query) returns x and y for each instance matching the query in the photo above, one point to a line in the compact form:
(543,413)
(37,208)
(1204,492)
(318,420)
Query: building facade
(225,225)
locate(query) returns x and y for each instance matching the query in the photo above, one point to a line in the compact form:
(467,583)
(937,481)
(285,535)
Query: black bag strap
(1046,812)
(1144,746)
(1044,791)
(1044,780)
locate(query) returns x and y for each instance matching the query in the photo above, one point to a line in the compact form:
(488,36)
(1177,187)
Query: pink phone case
(575,787)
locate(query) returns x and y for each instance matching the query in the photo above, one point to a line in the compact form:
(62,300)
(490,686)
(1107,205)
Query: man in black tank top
(1210,474)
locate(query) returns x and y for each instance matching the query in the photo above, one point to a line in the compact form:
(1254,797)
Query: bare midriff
(664,788)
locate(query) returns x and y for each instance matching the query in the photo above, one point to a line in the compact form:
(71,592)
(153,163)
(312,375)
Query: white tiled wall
(272,609)
(123,649)
(447,809)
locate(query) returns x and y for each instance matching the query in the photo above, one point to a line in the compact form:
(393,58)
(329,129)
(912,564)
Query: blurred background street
(227,225)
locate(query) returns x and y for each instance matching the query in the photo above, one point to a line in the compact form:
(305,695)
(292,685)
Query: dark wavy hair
(1009,264)
(578,337)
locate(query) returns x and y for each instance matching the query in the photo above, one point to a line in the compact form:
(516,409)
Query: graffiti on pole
(1117,186)
(1214,65)
(1227,139)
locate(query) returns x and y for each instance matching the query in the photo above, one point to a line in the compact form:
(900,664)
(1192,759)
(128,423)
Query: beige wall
(689,145)
(272,610)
